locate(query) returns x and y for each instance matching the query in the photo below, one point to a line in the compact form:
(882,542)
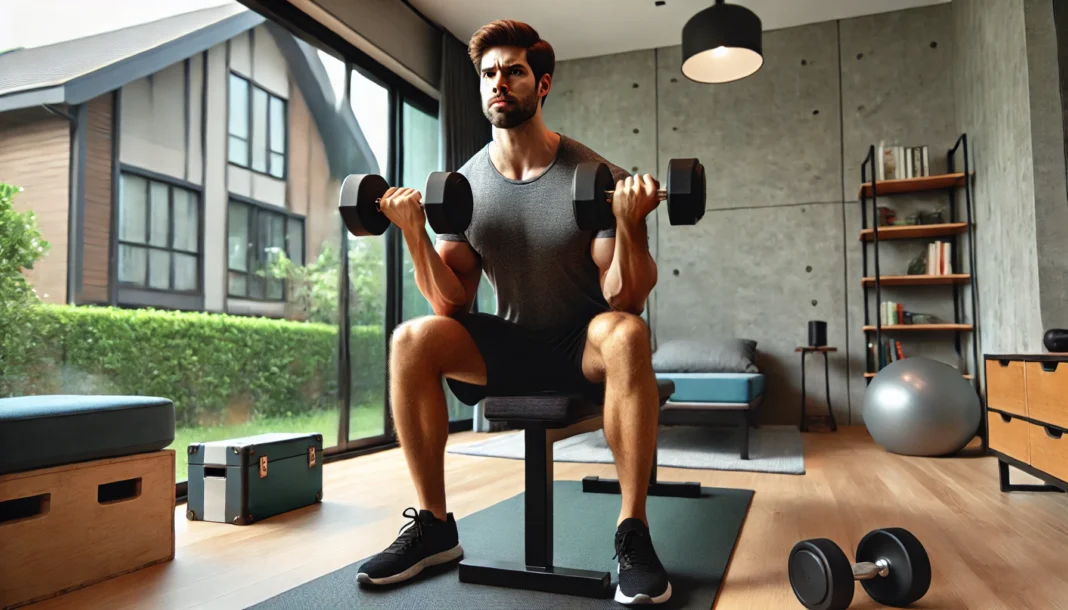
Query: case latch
(263,466)
(311,457)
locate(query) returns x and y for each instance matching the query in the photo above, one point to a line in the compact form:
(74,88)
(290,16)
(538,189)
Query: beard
(520,112)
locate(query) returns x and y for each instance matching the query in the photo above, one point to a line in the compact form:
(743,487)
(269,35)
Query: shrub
(21,245)
(217,368)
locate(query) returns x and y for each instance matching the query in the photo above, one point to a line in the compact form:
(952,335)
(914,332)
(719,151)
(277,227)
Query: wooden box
(67,527)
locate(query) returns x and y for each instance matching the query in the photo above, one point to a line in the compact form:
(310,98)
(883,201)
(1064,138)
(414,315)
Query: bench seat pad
(553,409)
(740,388)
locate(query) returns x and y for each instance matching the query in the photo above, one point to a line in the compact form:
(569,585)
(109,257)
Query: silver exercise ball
(921,407)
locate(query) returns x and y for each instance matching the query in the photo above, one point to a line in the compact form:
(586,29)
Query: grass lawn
(365,421)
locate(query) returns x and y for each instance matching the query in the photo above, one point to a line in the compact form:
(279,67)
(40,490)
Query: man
(568,307)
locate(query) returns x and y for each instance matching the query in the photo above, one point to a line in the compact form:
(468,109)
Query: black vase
(1056,340)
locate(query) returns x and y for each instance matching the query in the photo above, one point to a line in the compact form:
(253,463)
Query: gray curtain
(464,130)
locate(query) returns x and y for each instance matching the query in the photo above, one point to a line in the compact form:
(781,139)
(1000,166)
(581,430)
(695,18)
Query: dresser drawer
(1049,451)
(1047,392)
(1009,435)
(1005,388)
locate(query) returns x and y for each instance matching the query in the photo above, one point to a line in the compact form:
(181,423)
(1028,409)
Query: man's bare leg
(425,350)
(618,352)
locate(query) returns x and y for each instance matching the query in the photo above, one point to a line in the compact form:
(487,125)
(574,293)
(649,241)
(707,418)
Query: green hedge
(217,368)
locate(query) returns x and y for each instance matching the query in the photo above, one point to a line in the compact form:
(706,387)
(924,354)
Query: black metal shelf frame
(867,169)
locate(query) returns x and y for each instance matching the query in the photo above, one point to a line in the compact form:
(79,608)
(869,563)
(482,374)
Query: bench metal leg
(538,573)
(743,428)
(671,489)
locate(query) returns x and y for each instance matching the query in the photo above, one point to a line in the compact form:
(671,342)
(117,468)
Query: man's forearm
(633,273)
(436,280)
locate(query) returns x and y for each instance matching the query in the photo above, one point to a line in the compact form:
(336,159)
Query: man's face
(509,91)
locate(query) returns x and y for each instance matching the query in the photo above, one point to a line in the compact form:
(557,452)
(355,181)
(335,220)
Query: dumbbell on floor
(893,568)
(593,186)
(447,202)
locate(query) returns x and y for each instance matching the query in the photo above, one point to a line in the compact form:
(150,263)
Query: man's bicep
(463,260)
(603,250)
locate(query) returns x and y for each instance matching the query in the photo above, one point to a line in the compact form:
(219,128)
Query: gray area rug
(772,449)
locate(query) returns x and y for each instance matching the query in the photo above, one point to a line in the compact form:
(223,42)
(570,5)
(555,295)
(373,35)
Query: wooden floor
(989,550)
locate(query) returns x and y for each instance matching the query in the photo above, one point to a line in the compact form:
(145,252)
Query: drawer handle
(1049,367)
(1005,418)
(1003,362)
(1052,433)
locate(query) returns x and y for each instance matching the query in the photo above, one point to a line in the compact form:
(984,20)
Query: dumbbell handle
(378,203)
(661,195)
(867,570)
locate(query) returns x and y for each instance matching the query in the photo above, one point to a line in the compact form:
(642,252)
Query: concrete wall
(1047,144)
(992,89)
(782,149)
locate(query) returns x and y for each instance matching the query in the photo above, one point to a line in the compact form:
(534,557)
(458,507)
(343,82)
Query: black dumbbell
(447,202)
(893,568)
(593,186)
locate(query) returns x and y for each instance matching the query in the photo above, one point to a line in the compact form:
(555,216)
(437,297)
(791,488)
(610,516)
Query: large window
(257,128)
(368,276)
(255,234)
(159,235)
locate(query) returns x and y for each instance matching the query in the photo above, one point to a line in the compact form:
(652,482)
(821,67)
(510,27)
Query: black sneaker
(642,578)
(425,541)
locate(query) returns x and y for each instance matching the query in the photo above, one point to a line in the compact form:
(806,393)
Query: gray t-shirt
(535,257)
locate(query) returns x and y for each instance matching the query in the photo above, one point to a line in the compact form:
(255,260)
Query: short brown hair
(509,33)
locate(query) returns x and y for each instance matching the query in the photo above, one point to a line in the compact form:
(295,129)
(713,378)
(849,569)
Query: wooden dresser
(1027,417)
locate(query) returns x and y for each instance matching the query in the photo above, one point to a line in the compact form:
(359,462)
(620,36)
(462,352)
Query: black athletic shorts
(520,362)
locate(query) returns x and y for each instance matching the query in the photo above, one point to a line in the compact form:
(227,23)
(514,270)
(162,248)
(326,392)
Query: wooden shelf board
(913,185)
(915,231)
(922,327)
(872,375)
(919,280)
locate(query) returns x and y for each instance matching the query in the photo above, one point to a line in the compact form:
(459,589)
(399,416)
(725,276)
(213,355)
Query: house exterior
(165,161)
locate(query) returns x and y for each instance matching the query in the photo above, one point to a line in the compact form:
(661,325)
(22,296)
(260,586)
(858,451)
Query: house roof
(78,70)
(75,71)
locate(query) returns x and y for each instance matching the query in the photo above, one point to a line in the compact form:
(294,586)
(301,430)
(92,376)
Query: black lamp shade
(722,44)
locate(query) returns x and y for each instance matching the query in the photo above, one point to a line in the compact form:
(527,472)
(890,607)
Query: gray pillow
(717,355)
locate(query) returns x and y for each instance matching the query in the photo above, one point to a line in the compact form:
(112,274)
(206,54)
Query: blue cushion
(715,387)
(42,431)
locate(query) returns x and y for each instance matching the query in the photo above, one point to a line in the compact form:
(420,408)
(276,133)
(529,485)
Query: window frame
(255,209)
(172,183)
(251,141)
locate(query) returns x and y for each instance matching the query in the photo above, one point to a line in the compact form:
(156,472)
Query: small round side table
(804,351)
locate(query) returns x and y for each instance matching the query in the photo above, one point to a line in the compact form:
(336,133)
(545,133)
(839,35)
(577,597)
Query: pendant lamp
(722,44)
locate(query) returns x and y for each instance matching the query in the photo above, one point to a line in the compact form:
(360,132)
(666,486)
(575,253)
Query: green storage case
(249,479)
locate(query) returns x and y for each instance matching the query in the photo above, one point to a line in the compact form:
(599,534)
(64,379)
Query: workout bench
(545,419)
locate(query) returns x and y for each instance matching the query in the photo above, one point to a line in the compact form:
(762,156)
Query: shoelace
(410,533)
(632,549)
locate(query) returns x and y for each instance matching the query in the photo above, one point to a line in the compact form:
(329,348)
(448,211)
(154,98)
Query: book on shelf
(889,351)
(896,162)
(940,258)
(891,313)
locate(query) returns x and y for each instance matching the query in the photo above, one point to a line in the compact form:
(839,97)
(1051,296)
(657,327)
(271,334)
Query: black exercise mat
(694,538)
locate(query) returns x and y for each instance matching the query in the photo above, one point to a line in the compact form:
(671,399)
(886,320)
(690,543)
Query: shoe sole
(443,557)
(641,598)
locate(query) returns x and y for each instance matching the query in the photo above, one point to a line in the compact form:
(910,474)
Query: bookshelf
(873,236)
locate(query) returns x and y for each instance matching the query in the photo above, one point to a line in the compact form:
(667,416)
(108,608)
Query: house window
(257,128)
(255,233)
(159,235)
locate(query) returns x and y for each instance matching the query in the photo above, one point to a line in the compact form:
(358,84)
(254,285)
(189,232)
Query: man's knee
(420,340)
(623,335)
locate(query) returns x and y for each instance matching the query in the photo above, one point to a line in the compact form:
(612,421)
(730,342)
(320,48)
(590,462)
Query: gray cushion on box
(42,431)
(713,355)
